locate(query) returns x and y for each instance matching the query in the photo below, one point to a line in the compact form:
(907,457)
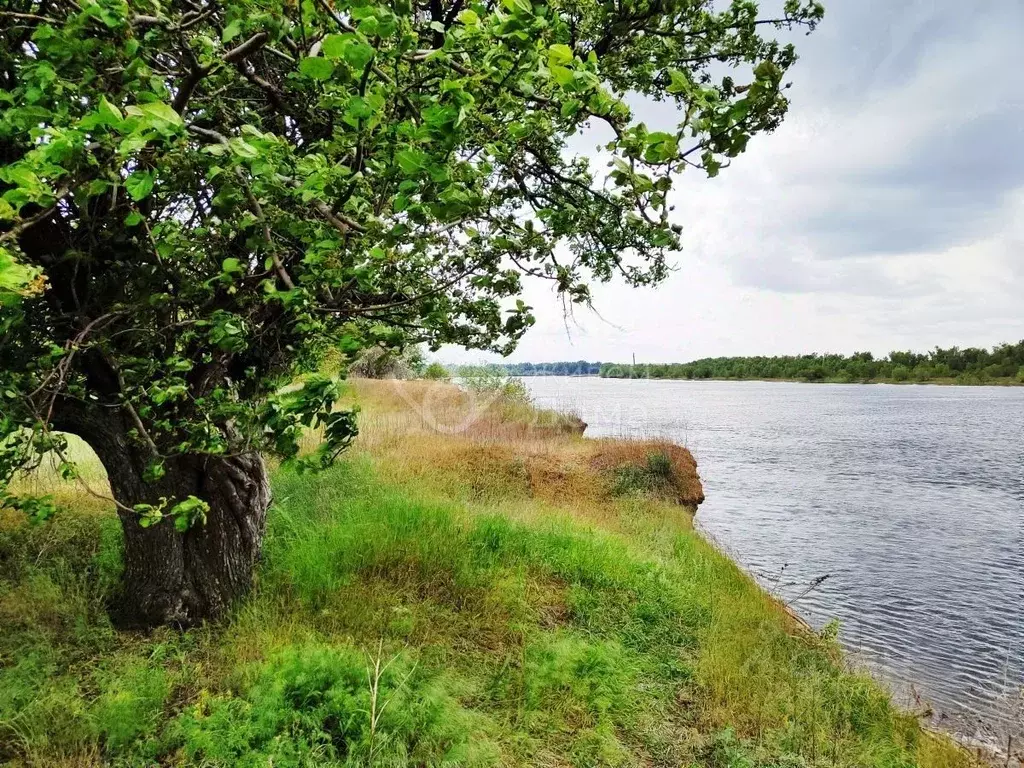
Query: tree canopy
(198,198)
(200,195)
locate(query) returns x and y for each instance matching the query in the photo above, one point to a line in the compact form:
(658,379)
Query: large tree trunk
(170,577)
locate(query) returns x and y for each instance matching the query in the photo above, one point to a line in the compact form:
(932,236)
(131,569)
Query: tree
(388,363)
(435,371)
(199,199)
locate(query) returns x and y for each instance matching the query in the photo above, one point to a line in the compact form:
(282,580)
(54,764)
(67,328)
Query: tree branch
(25,224)
(195,76)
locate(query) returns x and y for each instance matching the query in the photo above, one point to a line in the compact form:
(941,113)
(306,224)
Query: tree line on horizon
(561,368)
(968,365)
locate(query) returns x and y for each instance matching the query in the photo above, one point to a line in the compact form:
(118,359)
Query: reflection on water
(909,499)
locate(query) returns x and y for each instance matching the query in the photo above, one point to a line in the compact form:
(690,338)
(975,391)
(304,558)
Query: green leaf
(242,148)
(189,512)
(110,114)
(231,31)
(769,71)
(680,82)
(133,219)
(316,68)
(14,277)
(139,185)
(561,75)
(739,110)
(570,108)
(348,48)
(156,112)
(133,143)
(359,54)
(560,54)
(154,471)
(412,161)
(469,17)
(333,46)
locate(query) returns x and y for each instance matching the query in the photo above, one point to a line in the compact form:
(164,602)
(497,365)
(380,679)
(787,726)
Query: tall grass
(416,607)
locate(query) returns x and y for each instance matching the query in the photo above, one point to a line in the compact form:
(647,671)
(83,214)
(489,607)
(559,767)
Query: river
(908,499)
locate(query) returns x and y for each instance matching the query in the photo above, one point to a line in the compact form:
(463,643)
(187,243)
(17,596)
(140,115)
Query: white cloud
(887,212)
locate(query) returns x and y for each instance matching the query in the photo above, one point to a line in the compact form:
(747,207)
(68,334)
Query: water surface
(909,499)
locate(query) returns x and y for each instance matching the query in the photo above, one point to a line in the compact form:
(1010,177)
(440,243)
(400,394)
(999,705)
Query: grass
(510,594)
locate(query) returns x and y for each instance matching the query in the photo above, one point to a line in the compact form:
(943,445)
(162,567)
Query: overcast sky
(886,213)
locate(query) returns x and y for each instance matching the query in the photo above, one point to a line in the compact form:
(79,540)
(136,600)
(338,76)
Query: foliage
(321,706)
(197,203)
(435,371)
(962,365)
(130,704)
(382,363)
(654,476)
(492,381)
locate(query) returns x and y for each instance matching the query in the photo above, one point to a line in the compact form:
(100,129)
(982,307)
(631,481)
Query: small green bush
(316,706)
(588,681)
(42,712)
(130,704)
(436,372)
(492,380)
(653,477)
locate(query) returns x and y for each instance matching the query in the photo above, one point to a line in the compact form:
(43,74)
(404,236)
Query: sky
(886,213)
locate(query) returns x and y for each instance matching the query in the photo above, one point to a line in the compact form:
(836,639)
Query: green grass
(392,628)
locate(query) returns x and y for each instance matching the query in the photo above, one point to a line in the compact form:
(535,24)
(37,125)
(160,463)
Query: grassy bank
(474,584)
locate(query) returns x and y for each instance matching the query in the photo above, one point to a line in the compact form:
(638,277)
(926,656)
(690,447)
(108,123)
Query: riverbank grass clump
(505,594)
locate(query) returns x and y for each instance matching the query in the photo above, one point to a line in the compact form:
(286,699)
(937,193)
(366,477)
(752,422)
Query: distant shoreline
(944,382)
(969,366)
(950,382)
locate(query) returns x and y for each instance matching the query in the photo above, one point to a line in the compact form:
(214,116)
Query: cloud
(917,154)
(887,211)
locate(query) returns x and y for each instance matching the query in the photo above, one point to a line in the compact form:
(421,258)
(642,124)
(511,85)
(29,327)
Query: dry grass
(46,480)
(492,451)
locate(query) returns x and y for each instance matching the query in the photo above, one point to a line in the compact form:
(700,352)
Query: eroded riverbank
(907,498)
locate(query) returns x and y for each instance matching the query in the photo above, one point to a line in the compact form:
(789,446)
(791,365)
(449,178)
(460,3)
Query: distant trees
(971,365)
(564,368)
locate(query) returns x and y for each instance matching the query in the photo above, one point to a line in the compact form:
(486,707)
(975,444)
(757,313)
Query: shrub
(585,689)
(42,712)
(381,363)
(326,706)
(493,380)
(653,477)
(436,372)
(130,704)
(588,680)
